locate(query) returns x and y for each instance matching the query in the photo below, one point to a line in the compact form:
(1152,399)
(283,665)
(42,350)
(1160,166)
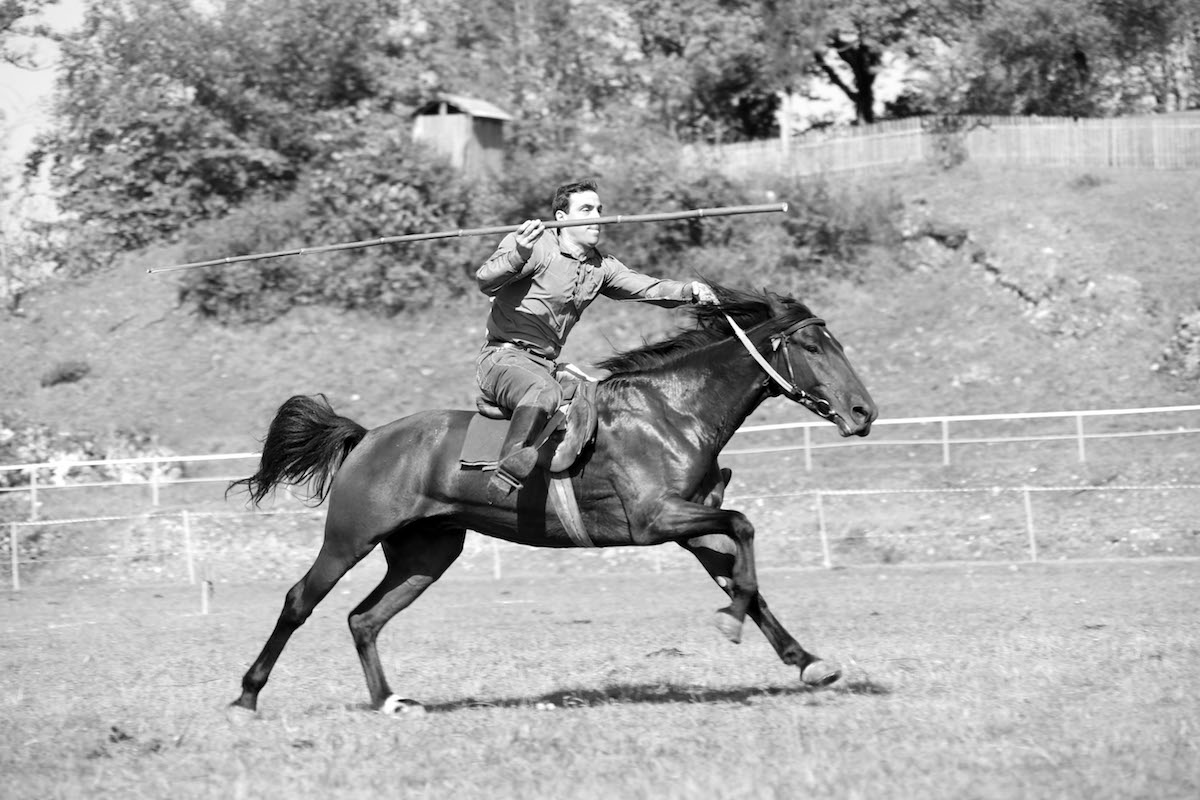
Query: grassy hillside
(1063,297)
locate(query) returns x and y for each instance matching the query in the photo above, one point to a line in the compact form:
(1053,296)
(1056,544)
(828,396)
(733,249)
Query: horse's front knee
(741,529)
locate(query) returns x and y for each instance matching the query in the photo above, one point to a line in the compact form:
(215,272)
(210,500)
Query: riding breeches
(511,377)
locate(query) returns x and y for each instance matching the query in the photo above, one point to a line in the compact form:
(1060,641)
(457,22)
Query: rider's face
(583,205)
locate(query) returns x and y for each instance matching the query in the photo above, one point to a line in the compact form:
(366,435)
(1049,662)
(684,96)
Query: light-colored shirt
(536,303)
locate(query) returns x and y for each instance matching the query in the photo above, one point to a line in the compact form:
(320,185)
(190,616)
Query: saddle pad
(485,437)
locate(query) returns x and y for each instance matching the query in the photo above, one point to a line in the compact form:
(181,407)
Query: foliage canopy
(289,118)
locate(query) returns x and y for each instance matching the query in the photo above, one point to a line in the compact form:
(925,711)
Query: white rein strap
(790,388)
(787,386)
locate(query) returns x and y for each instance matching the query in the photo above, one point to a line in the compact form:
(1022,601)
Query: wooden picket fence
(1149,142)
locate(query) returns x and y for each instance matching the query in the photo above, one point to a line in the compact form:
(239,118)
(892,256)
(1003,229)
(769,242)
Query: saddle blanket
(485,437)
(481,450)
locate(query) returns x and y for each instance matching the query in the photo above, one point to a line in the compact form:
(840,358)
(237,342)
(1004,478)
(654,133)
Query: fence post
(1033,554)
(807,449)
(33,501)
(187,547)
(13,541)
(826,558)
(1156,143)
(206,590)
(1079,437)
(154,483)
(945,443)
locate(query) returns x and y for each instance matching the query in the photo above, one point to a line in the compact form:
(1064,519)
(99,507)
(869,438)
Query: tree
(1155,46)
(843,43)
(1038,57)
(702,69)
(168,114)
(18,23)
(1067,57)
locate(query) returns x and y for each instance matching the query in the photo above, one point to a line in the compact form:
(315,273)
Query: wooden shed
(469,131)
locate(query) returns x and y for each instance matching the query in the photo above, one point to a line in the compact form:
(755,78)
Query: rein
(788,385)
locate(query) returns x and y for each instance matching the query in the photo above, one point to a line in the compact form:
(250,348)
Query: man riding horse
(540,282)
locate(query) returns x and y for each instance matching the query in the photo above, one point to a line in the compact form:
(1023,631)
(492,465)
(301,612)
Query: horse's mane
(709,325)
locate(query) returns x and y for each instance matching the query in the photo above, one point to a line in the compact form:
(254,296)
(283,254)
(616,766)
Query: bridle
(789,387)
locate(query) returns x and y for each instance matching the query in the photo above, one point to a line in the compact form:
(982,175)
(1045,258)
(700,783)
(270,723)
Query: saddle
(569,430)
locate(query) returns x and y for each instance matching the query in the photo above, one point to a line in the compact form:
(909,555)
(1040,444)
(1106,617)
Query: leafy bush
(1086,181)
(650,178)
(66,372)
(829,227)
(654,178)
(1181,356)
(373,182)
(23,442)
(169,113)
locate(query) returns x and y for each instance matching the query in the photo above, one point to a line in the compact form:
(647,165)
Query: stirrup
(501,486)
(511,473)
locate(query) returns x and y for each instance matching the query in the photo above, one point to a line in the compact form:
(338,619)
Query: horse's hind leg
(716,553)
(301,599)
(415,559)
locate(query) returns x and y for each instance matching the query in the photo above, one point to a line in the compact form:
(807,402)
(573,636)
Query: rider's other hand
(530,231)
(703,295)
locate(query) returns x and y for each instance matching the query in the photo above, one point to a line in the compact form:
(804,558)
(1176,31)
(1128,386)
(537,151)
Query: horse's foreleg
(716,554)
(415,559)
(678,519)
(301,599)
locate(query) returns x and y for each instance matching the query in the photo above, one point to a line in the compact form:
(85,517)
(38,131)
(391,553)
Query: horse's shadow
(657,694)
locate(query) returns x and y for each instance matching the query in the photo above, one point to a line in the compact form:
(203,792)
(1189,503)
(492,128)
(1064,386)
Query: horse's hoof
(237,714)
(820,673)
(401,706)
(729,625)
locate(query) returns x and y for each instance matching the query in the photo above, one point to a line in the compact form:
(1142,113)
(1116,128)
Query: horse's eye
(812,348)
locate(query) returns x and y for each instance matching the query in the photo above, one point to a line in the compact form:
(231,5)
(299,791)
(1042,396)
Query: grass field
(1063,680)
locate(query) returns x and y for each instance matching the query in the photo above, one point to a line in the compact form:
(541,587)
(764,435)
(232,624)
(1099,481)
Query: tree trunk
(863,62)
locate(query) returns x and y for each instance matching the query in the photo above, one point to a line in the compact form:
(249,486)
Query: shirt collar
(573,250)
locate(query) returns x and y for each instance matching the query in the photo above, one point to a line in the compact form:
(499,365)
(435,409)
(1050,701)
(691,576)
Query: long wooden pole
(696,213)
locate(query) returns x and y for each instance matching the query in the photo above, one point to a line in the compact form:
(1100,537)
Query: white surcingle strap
(562,494)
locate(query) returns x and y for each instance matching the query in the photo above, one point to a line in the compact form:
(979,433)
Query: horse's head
(819,376)
(801,359)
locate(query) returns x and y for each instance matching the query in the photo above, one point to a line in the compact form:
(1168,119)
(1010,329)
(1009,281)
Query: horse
(649,476)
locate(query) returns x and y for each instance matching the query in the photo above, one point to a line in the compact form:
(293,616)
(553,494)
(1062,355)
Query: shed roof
(465,105)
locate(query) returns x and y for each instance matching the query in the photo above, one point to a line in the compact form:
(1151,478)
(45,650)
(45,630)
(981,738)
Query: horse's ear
(778,302)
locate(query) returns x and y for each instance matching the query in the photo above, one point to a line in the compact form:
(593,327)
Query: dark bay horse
(650,476)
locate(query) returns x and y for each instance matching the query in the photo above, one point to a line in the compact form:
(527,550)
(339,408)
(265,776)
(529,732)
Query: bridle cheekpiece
(789,386)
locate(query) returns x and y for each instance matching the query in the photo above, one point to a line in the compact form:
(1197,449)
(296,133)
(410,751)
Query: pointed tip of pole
(783,207)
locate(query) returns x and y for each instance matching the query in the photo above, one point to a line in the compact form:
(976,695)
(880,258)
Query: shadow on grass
(659,694)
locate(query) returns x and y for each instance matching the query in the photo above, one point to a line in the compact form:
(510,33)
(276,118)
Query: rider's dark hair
(562,195)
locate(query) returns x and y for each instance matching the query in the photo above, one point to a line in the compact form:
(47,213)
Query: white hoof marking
(396,706)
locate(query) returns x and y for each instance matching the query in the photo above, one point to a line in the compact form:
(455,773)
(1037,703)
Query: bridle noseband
(789,387)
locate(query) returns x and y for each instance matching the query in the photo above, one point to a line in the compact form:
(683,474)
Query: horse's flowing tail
(306,443)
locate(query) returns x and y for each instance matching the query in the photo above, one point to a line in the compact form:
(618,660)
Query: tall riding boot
(518,456)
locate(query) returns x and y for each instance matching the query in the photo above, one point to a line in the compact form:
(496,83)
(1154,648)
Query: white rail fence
(1001,522)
